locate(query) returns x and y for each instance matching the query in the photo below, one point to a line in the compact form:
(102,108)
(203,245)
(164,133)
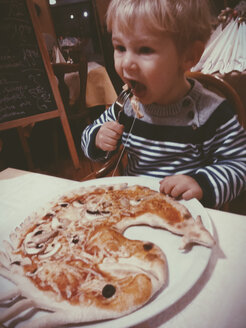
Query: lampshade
(226,49)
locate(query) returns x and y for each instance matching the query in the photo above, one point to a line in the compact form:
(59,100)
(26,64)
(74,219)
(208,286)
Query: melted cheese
(84,228)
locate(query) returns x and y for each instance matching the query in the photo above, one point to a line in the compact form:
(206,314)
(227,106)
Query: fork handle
(107,155)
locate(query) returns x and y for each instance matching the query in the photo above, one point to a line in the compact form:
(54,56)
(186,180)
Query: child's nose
(129,61)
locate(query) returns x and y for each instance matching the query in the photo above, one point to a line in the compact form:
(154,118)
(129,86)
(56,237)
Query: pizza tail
(198,235)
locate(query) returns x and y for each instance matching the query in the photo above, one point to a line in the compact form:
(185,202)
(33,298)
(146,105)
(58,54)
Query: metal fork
(120,102)
(119,107)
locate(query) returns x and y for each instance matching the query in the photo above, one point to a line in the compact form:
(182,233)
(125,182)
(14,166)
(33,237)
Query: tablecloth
(217,300)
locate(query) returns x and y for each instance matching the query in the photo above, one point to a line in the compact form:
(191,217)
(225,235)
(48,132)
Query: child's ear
(192,55)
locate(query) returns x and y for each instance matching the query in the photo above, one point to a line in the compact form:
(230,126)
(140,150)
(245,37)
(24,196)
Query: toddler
(188,137)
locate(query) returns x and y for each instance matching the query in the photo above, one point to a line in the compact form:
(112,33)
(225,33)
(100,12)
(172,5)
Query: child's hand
(108,135)
(181,186)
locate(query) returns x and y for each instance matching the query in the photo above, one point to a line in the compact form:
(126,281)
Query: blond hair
(185,20)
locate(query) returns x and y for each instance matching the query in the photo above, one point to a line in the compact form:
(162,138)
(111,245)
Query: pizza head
(73,260)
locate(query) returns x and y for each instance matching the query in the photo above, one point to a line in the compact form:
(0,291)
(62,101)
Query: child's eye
(146,50)
(120,48)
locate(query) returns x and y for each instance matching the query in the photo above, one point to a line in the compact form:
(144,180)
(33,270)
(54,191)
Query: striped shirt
(199,136)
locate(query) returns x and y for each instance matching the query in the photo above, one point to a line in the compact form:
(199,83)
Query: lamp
(226,49)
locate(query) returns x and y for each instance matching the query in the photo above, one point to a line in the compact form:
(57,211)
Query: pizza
(135,106)
(73,261)
(134,100)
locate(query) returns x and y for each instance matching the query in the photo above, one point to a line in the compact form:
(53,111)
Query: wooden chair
(77,113)
(78,110)
(211,82)
(223,88)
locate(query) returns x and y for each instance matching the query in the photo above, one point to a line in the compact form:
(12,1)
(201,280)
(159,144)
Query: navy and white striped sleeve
(90,132)
(224,176)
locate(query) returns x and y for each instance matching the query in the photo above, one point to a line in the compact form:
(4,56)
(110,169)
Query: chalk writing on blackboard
(24,85)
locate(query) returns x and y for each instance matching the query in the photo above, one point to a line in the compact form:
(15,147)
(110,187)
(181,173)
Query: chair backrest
(60,69)
(223,88)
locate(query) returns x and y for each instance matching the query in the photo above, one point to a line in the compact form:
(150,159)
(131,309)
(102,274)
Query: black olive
(16,262)
(75,239)
(64,204)
(93,212)
(148,246)
(108,291)
(38,232)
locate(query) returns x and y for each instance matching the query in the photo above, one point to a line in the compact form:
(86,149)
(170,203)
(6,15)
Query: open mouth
(137,88)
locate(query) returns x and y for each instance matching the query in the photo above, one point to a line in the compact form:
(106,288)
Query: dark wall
(80,26)
(218,5)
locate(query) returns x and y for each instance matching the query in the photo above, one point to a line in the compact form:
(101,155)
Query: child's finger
(188,195)
(166,186)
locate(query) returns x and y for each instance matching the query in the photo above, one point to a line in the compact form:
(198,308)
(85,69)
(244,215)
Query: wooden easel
(58,112)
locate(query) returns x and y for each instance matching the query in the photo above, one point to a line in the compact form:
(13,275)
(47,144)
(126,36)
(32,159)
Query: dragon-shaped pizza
(73,261)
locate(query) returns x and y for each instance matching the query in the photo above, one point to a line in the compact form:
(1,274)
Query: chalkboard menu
(24,85)
(28,88)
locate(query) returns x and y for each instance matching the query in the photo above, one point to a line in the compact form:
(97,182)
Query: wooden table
(99,88)
(217,300)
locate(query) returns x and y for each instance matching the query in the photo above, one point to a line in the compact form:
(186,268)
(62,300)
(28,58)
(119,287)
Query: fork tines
(122,98)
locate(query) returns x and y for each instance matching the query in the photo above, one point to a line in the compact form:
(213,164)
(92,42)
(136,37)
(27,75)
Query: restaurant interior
(75,252)
(74,31)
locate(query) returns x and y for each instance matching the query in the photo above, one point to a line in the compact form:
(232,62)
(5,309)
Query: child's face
(149,64)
